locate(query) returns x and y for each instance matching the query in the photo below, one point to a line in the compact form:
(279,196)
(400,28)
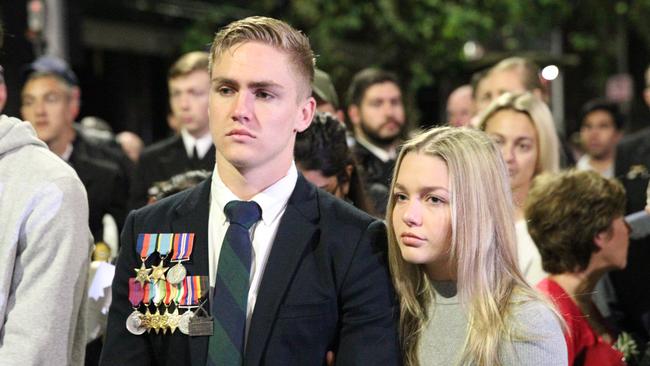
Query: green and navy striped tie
(229,302)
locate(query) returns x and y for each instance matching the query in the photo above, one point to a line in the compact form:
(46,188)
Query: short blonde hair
(527,69)
(188,63)
(271,32)
(548,159)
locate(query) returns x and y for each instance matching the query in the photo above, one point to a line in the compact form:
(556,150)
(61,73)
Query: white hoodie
(44,252)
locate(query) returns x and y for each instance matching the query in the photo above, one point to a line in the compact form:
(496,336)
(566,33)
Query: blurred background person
(576,220)
(376,112)
(452,256)
(522,127)
(460,106)
(175,184)
(327,99)
(513,74)
(632,168)
(131,144)
(50,101)
(192,148)
(45,248)
(322,155)
(601,129)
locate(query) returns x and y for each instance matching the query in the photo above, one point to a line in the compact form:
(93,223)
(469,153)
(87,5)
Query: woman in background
(522,126)
(463,300)
(576,220)
(324,158)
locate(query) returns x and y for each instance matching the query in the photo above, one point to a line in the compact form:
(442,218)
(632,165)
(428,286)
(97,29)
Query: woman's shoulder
(538,339)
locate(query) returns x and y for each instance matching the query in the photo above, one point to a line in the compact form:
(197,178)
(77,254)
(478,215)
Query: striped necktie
(229,303)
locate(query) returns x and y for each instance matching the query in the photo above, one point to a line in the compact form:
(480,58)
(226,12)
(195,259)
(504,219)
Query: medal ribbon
(183,245)
(161,292)
(188,296)
(146,245)
(165,244)
(136,292)
(146,293)
(171,292)
(180,293)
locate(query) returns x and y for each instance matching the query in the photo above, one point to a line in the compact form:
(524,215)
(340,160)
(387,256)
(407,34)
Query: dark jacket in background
(160,162)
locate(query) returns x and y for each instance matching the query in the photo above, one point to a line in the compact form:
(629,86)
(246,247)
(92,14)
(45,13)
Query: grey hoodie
(44,252)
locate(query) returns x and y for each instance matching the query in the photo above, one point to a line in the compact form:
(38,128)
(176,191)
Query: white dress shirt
(273,202)
(203,143)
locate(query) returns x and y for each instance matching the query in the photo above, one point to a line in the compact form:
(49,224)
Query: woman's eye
(400,197)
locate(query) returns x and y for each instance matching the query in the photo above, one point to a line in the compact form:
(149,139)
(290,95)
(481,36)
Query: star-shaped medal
(172,320)
(164,321)
(158,272)
(142,274)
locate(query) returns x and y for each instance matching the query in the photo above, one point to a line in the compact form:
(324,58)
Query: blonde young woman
(451,237)
(522,126)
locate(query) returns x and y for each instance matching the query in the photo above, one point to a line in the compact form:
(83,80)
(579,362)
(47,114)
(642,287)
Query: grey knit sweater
(444,336)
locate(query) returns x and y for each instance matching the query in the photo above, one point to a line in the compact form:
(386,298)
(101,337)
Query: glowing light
(550,72)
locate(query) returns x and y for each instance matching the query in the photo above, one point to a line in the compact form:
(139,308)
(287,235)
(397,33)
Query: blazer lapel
(296,230)
(191,216)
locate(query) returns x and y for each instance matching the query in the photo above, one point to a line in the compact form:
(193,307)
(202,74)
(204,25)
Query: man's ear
(355,114)
(306,115)
(75,102)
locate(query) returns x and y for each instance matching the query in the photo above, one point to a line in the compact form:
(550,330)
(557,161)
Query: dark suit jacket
(631,284)
(106,185)
(326,286)
(160,162)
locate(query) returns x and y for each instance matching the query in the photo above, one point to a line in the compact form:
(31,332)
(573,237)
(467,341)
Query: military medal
(200,323)
(145,246)
(184,322)
(182,250)
(170,318)
(164,246)
(194,288)
(149,295)
(134,322)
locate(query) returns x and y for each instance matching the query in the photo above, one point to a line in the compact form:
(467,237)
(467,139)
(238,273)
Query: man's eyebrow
(255,84)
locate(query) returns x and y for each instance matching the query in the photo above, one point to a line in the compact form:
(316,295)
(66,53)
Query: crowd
(282,225)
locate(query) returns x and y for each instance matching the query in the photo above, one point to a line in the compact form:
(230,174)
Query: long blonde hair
(482,246)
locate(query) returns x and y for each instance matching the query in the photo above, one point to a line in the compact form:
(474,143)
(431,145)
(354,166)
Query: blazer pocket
(295,311)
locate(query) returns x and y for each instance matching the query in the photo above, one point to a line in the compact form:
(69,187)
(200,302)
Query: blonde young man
(313,269)
(192,147)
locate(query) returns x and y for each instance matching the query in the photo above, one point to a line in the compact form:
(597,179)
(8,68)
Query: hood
(15,134)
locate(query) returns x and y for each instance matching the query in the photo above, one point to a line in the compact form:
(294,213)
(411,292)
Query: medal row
(179,244)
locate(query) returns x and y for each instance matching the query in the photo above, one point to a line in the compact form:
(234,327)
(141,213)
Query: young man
(377,113)
(600,132)
(50,103)
(308,276)
(192,148)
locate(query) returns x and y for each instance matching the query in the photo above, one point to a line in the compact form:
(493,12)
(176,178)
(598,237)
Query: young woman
(522,126)
(576,220)
(452,256)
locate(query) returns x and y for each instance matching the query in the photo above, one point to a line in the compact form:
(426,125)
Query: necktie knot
(244,213)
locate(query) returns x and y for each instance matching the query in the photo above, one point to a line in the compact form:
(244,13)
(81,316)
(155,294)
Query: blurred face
(599,135)
(422,216)
(460,107)
(328,184)
(495,84)
(256,109)
(380,116)
(47,104)
(188,99)
(614,243)
(515,134)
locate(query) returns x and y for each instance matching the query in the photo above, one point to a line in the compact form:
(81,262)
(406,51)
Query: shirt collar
(377,151)
(203,143)
(272,200)
(67,153)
